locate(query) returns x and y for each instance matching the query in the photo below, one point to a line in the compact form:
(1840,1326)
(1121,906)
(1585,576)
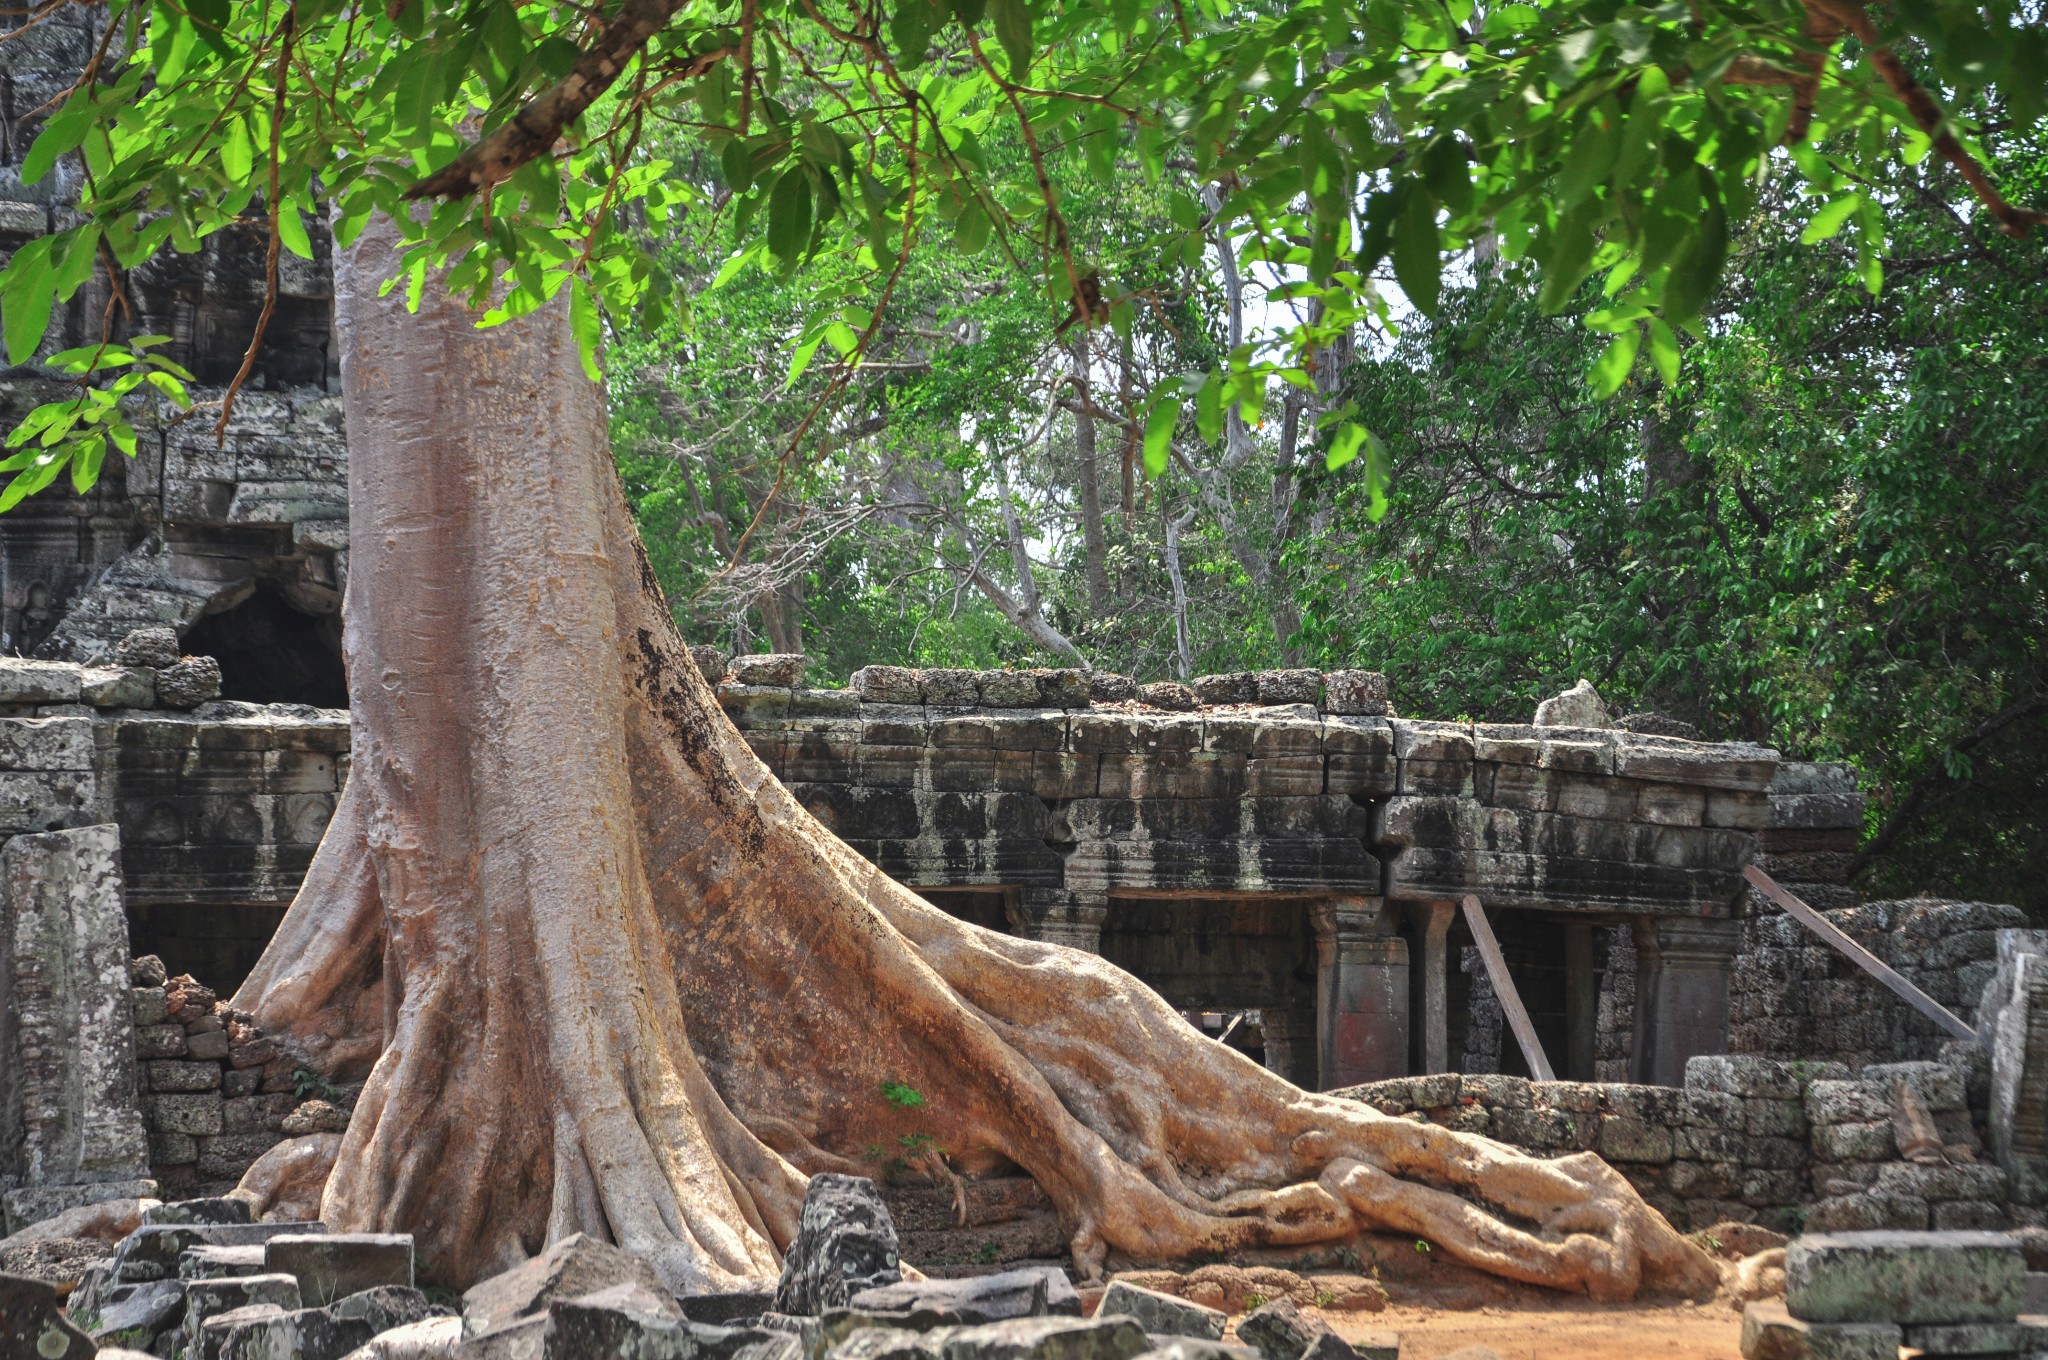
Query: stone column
(1061,916)
(1290,1044)
(1581,1002)
(1436,985)
(1361,993)
(1682,965)
(70,1127)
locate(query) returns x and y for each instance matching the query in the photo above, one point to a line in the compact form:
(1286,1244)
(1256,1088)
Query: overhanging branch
(532,131)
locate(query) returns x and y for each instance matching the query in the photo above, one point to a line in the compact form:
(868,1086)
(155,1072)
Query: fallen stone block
(153,1251)
(1968,1338)
(1162,1314)
(220,1263)
(575,1266)
(209,1298)
(1904,1277)
(429,1339)
(1282,1331)
(137,1314)
(886,1343)
(38,682)
(1769,1332)
(186,1211)
(625,1321)
(781,669)
(216,1330)
(730,1307)
(1194,1348)
(845,1243)
(1043,1291)
(1048,1338)
(328,1333)
(331,1266)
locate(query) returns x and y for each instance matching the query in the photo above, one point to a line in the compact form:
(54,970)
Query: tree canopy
(1329,137)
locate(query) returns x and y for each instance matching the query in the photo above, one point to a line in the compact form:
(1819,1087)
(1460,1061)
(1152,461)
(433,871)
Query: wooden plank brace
(1504,988)
(1870,963)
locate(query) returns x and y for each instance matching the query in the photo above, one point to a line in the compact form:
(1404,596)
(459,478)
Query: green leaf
(64,130)
(1159,426)
(1611,369)
(911,26)
(291,231)
(85,462)
(25,306)
(1830,219)
(237,154)
(1209,409)
(1418,256)
(1013,30)
(1664,350)
(789,217)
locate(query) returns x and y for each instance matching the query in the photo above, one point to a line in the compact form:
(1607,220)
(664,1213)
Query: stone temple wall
(242,540)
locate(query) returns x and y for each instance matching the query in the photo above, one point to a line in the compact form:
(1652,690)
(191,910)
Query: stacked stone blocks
(1864,1295)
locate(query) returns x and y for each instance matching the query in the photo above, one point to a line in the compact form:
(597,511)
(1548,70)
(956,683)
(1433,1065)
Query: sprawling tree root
(605,975)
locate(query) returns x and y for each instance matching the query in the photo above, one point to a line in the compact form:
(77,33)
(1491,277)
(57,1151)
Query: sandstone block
(1579,706)
(117,687)
(1281,1331)
(576,1265)
(1770,1332)
(135,1315)
(210,1046)
(711,663)
(1169,695)
(1965,1214)
(1006,689)
(1237,687)
(37,682)
(1106,687)
(1161,1314)
(1907,1277)
(220,1263)
(1871,1142)
(331,1266)
(1974,1338)
(159,1041)
(1048,1338)
(1289,686)
(150,1007)
(32,1323)
(1742,1076)
(1846,1102)
(1938,1085)
(207,1298)
(778,670)
(1623,1139)
(174,1075)
(1035,1292)
(1365,693)
(188,683)
(845,1243)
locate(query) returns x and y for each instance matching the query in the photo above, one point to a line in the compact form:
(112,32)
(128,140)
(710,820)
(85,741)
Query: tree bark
(606,975)
(1088,476)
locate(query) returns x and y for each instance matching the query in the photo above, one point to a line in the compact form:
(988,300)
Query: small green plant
(1255,1300)
(985,1254)
(1421,1245)
(307,1084)
(1707,1242)
(903,1097)
(921,1151)
(1795,1219)
(1325,1297)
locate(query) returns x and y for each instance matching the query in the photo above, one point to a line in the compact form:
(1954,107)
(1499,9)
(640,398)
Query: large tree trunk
(605,975)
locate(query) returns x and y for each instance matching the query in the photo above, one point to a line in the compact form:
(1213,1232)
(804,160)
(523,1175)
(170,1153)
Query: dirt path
(1563,1330)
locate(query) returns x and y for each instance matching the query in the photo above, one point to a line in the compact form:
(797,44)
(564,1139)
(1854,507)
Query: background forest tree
(1828,535)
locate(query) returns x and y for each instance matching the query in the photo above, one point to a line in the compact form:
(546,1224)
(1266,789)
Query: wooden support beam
(1504,988)
(1870,963)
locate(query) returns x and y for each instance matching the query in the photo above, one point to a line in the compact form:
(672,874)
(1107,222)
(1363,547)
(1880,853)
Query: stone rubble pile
(1863,1295)
(200,1281)
(147,672)
(217,1094)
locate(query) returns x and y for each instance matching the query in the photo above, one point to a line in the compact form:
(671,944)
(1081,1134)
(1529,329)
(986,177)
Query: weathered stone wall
(189,529)
(216,1094)
(1787,1145)
(1792,996)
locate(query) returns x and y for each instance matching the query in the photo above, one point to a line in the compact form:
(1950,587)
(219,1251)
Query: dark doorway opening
(988,907)
(271,653)
(217,943)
